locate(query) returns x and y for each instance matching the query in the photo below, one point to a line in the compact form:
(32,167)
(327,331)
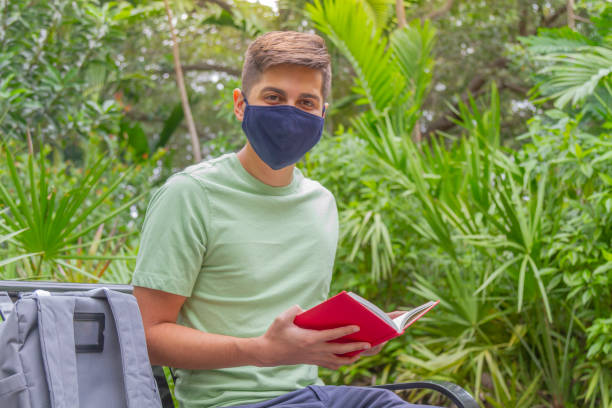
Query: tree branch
(440,12)
(547,21)
(219,3)
(516,88)
(580,18)
(204,66)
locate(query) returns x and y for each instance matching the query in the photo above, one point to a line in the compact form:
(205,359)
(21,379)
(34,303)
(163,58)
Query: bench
(10,290)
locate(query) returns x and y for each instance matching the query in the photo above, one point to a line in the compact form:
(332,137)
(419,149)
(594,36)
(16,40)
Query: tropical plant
(392,78)
(510,304)
(392,81)
(4,239)
(575,68)
(53,222)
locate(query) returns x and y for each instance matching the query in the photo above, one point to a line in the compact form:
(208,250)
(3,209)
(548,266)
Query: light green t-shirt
(242,252)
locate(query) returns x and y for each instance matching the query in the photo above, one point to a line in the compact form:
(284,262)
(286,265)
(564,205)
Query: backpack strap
(56,329)
(136,366)
(6,306)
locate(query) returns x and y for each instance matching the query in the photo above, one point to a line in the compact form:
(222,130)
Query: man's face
(285,85)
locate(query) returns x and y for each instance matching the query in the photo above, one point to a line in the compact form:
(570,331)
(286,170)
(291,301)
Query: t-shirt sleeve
(173,240)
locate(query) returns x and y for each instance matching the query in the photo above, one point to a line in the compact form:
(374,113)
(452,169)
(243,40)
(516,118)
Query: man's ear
(325,109)
(239,104)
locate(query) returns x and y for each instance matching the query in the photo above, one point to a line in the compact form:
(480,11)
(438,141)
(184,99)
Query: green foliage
(575,67)
(365,237)
(522,237)
(575,76)
(515,243)
(556,40)
(54,222)
(7,236)
(238,20)
(58,67)
(347,25)
(378,11)
(392,78)
(600,338)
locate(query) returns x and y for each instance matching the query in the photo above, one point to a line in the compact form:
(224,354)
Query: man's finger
(342,348)
(373,351)
(333,334)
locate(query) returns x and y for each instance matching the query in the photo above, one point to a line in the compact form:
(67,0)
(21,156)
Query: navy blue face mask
(281,134)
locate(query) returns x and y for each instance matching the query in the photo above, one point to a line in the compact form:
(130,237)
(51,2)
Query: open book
(347,308)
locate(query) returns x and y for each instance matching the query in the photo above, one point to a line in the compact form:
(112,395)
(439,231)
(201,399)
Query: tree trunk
(195,143)
(571,17)
(401,13)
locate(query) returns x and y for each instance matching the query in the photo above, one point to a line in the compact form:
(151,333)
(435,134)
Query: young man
(231,246)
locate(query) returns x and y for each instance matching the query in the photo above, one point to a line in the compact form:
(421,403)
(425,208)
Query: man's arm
(283,343)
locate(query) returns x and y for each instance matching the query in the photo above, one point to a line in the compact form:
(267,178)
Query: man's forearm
(283,343)
(178,346)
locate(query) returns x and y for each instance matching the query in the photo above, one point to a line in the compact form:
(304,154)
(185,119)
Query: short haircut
(286,47)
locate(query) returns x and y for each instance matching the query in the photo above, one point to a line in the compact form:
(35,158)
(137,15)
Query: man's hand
(284,343)
(375,350)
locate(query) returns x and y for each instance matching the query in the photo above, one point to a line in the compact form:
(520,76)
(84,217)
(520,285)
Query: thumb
(290,313)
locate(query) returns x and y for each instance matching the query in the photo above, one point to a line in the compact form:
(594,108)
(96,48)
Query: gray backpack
(75,350)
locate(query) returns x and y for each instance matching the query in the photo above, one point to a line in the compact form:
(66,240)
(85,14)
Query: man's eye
(307,103)
(272,98)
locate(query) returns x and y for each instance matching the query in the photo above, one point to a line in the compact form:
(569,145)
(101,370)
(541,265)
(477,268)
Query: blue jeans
(330,396)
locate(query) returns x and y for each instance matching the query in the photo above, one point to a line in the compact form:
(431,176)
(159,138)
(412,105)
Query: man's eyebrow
(277,90)
(308,95)
(284,94)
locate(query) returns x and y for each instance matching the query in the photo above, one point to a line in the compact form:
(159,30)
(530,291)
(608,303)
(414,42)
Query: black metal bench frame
(460,397)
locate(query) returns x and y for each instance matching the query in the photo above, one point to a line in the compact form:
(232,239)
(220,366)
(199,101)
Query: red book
(347,308)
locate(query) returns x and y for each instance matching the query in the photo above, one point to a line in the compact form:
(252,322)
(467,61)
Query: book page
(410,316)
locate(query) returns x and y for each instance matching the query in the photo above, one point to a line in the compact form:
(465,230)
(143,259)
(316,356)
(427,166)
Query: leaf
(76,269)
(170,125)
(352,31)
(495,274)
(5,262)
(413,50)
(543,292)
(137,139)
(11,235)
(521,282)
(603,158)
(378,10)
(575,76)
(607,255)
(555,40)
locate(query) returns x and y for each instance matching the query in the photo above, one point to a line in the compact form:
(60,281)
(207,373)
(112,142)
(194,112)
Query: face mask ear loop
(244,97)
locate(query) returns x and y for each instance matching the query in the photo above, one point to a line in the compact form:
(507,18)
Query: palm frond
(575,76)
(413,47)
(378,10)
(555,40)
(354,33)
